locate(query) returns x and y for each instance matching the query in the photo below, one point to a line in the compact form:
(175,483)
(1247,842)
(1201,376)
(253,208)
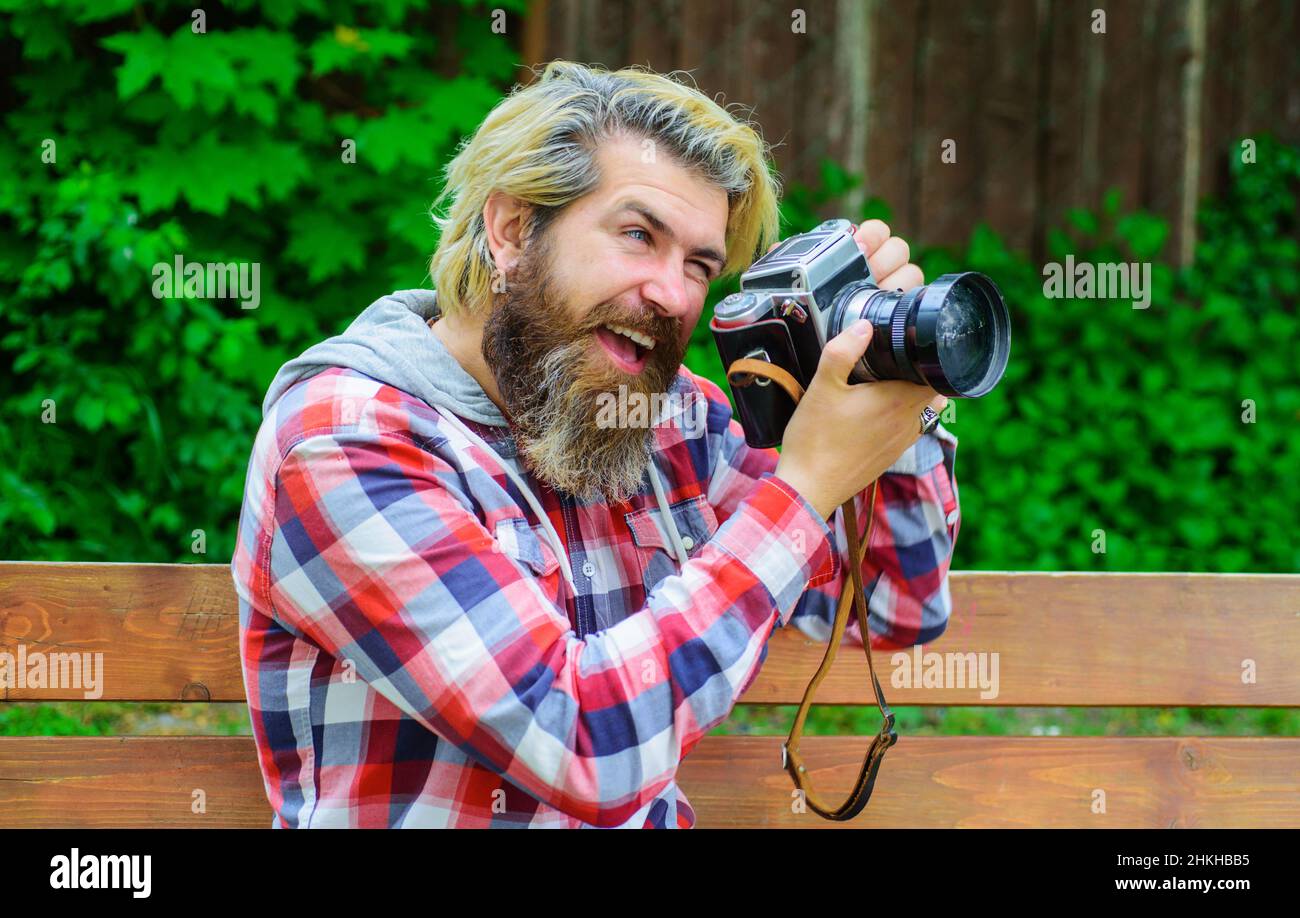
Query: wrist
(804,486)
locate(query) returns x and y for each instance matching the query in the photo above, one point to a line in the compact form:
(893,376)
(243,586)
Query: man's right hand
(844,435)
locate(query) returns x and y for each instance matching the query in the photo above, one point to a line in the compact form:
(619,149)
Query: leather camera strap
(742,373)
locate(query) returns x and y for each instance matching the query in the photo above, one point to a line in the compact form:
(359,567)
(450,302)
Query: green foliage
(1130,421)
(862,720)
(228,146)
(222,146)
(118,718)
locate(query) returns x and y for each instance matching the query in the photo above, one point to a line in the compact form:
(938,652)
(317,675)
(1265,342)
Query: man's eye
(704,269)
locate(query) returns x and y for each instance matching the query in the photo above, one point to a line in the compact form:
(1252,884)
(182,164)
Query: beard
(554,376)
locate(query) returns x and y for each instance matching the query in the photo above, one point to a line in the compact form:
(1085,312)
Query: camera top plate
(805,262)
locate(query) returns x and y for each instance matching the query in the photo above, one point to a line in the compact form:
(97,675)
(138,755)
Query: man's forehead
(633,172)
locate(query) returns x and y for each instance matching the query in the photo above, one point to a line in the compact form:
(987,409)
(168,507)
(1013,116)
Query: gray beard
(561,442)
(552,377)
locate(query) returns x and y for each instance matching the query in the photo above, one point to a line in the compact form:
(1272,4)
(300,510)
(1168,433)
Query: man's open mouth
(627,347)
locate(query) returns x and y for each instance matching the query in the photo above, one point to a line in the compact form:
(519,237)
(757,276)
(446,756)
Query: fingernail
(860,327)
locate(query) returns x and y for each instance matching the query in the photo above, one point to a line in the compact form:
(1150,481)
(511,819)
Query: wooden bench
(170,632)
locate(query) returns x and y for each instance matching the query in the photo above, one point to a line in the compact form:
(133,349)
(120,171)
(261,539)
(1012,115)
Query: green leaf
(42,34)
(1082,220)
(196,336)
(89,412)
(42,517)
(346,47)
(1144,233)
(196,63)
(146,55)
(326,244)
(26,360)
(986,247)
(210,174)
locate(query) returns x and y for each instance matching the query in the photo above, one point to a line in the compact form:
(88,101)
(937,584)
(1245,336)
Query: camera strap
(745,370)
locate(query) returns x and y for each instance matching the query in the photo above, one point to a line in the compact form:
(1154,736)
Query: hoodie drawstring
(557,545)
(552,536)
(674,536)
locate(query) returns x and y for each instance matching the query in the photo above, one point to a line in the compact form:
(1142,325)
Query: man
(463,602)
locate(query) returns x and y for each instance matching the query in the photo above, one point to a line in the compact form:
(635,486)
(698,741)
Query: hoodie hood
(391,342)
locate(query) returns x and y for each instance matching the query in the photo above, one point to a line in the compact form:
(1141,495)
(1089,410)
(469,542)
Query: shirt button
(588,569)
(688,543)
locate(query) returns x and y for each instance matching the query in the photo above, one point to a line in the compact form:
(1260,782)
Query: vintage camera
(953,334)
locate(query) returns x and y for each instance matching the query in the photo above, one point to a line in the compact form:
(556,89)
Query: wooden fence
(1046,111)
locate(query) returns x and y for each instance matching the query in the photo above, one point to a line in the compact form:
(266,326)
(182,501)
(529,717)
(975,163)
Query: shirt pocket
(520,541)
(696,523)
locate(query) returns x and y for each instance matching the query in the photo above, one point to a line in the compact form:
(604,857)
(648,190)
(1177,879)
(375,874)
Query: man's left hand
(888,257)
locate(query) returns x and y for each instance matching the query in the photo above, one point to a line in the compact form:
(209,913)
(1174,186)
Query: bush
(1170,429)
(136,138)
(1132,424)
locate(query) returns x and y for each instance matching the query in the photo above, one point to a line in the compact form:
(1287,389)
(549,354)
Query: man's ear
(505,218)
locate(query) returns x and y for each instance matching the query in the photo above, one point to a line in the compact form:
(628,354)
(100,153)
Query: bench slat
(167,631)
(170,632)
(733,781)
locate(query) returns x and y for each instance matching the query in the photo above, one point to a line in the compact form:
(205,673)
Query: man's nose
(668,294)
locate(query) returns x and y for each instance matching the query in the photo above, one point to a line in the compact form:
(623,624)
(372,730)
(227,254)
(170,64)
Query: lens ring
(909,338)
(952,296)
(838,319)
(904,315)
(840,305)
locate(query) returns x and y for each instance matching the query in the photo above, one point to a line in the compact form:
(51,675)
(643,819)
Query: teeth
(644,340)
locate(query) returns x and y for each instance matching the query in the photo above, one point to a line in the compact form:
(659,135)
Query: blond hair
(539,144)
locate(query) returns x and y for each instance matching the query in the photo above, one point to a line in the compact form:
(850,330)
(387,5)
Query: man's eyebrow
(664,229)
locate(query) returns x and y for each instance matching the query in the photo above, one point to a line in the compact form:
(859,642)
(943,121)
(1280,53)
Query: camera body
(781,315)
(952,335)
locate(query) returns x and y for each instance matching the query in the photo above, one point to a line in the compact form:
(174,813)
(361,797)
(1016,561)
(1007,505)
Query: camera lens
(953,335)
(964,338)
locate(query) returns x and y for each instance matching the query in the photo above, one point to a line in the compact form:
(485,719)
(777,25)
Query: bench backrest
(170,632)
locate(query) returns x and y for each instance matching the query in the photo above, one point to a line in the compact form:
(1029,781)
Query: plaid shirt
(414,657)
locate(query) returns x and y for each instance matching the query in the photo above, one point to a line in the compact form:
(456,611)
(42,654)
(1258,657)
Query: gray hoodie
(390,342)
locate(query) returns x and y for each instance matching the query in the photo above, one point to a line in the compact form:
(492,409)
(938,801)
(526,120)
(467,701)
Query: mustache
(661,328)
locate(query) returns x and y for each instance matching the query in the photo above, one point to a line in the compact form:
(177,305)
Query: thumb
(844,350)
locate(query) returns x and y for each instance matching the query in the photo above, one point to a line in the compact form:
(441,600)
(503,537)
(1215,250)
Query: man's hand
(842,435)
(888,257)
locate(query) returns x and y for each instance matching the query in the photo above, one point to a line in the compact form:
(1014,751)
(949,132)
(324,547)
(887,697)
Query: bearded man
(465,602)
